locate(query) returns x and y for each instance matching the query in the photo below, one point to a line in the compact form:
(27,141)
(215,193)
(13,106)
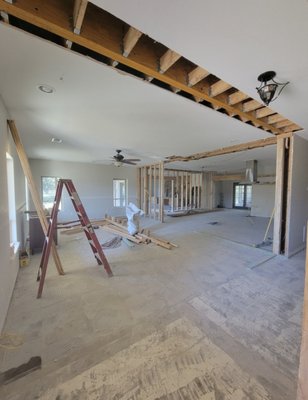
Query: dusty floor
(214,319)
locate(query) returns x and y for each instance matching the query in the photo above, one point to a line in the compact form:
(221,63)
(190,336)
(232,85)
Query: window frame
(121,201)
(42,191)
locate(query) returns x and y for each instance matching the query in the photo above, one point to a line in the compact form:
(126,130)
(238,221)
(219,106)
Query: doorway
(242,195)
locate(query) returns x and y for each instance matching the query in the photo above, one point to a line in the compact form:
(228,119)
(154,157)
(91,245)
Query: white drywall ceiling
(96,110)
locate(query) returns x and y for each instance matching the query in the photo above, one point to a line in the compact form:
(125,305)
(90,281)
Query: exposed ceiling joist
(219,87)
(225,150)
(167,60)
(251,105)
(237,97)
(130,40)
(264,112)
(80,7)
(196,75)
(102,33)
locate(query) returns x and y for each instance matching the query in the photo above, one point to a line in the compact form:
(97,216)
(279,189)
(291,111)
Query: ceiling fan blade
(128,162)
(132,159)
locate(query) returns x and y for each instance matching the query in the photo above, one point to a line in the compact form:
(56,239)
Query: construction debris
(112,243)
(118,227)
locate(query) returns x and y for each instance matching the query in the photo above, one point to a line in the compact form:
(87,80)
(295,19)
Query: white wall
(263,200)
(227,194)
(93,183)
(9,262)
(297,214)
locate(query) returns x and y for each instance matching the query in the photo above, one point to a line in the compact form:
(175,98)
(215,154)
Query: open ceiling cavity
(91,31)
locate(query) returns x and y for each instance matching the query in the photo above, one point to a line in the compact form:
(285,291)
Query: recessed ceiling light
(46,88)
(56,140)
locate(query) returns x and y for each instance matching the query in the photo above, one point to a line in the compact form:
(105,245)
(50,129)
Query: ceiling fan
(119,159)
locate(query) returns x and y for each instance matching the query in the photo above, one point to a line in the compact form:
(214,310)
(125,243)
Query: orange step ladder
(85,223)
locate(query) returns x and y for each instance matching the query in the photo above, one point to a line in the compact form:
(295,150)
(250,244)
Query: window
(49,187)
(242,195)
(11,198)
(119,192)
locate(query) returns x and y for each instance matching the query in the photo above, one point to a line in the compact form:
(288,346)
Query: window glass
(49,187)
(119,193)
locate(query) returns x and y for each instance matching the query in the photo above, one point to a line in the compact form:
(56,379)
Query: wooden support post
(172,195)
(182,190)
(278,195)
(155,191)
(141,188)
(150,191)
(190,191)
(162,188)
(146,193)
(33,190)
(186,190)
(177,189)
(138,191)
(302,388)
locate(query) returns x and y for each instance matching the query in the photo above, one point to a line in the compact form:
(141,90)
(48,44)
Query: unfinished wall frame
(169,189)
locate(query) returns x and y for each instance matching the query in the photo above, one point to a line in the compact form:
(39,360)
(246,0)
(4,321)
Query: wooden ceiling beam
(226,150)
(130,40)
(251,105)
(264,112)
(80,7)
(103,33)
(237,97)
(283,123)
(219,87)
(167,60)
(196,75)
(273,119)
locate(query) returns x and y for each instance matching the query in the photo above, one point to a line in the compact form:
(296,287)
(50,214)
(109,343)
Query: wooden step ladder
(85,223)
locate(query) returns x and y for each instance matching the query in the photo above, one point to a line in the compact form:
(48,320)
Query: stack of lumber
(111,225)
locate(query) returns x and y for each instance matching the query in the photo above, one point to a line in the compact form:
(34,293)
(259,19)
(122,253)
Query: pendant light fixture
(268,87)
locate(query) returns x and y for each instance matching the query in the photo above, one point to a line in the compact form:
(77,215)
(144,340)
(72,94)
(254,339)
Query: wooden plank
(162,189)
(219,87)
(172,195)
(182,191)
(233,177)
(33,190)
(130,40)
(283,123)
(225,150)
(155,191)
(272,119)
(167,60)
(150,192)
(302,388)
(156,241)
(264,112)
(80,7)
(251,105)
(291,128)
(190,191)
(102,33)
(237,97)
(196,75)
(186,190)
(278,195)
(138,178)
(117,231)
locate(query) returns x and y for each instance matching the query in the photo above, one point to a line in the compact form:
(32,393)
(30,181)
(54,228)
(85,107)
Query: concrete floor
(213,319)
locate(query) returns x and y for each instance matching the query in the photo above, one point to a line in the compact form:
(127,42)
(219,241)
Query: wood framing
(233,177)
(130,40)
(102,34)
(302,388)
(196,75)
(225,150)
(33,190)
(278,195)
(80,7)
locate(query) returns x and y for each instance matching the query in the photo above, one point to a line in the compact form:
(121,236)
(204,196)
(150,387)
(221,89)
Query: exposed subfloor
(214,319)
